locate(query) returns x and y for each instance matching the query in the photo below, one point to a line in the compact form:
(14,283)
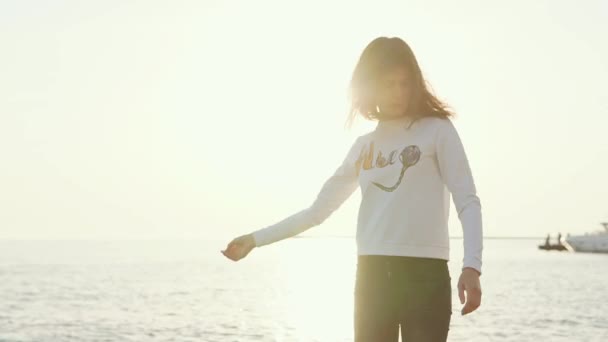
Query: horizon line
(206,238)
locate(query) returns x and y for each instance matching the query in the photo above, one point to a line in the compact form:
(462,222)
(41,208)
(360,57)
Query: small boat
(593,242)
(548,246)
(556,247)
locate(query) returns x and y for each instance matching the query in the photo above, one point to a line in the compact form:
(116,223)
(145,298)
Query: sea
(298,289)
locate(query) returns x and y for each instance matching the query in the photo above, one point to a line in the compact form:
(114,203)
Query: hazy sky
(153,119)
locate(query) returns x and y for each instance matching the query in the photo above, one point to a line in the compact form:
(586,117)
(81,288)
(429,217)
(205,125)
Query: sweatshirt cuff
(476,265)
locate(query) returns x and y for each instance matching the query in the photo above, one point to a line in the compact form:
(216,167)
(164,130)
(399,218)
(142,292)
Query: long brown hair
(381,55)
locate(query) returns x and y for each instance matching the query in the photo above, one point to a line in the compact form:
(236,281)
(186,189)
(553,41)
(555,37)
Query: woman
(406,169)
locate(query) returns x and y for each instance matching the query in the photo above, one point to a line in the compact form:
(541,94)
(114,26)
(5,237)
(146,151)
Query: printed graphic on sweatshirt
(408,157)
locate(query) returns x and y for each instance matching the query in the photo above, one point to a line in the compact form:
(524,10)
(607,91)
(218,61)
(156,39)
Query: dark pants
(392,291)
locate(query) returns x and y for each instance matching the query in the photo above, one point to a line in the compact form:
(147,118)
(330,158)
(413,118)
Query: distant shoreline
(451,237)
(221,239)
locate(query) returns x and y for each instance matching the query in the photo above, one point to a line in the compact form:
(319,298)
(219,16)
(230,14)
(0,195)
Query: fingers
(461,292)
(238,248)
(233,251)
(228,255)
(473,300)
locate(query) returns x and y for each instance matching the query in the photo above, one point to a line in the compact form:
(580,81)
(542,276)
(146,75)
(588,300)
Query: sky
(212,119)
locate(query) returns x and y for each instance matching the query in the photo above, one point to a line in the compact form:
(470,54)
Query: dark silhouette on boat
(548,246)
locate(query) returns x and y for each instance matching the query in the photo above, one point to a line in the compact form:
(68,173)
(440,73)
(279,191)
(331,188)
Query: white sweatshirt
(406,177)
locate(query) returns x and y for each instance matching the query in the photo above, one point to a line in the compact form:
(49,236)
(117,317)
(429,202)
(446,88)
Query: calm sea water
(295,290)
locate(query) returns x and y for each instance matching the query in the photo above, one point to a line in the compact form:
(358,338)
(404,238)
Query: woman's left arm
(457,176)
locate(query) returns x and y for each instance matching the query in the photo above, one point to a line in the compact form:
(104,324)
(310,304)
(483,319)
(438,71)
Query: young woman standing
(406,169)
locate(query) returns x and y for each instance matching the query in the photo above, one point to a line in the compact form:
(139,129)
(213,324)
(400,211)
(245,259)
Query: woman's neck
(391,124)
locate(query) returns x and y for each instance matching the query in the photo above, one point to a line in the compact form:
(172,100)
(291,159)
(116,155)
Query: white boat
(594,242)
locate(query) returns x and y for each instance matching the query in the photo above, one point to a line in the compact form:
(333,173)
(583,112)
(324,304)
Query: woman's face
(393,92)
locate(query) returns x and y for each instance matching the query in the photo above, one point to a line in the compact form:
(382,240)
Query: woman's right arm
(337,189)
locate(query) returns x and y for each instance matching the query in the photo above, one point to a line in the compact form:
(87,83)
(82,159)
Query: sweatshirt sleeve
(336,189)
(456,174)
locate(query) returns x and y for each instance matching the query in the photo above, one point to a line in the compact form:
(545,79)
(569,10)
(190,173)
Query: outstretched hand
(238,248)
(469,283)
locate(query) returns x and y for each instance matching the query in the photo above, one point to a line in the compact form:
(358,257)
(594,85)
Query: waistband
(414,267)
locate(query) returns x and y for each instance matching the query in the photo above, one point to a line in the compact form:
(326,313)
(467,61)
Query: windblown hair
(380,56)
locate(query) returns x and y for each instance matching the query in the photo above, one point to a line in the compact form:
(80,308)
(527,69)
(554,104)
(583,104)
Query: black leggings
(392,291)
